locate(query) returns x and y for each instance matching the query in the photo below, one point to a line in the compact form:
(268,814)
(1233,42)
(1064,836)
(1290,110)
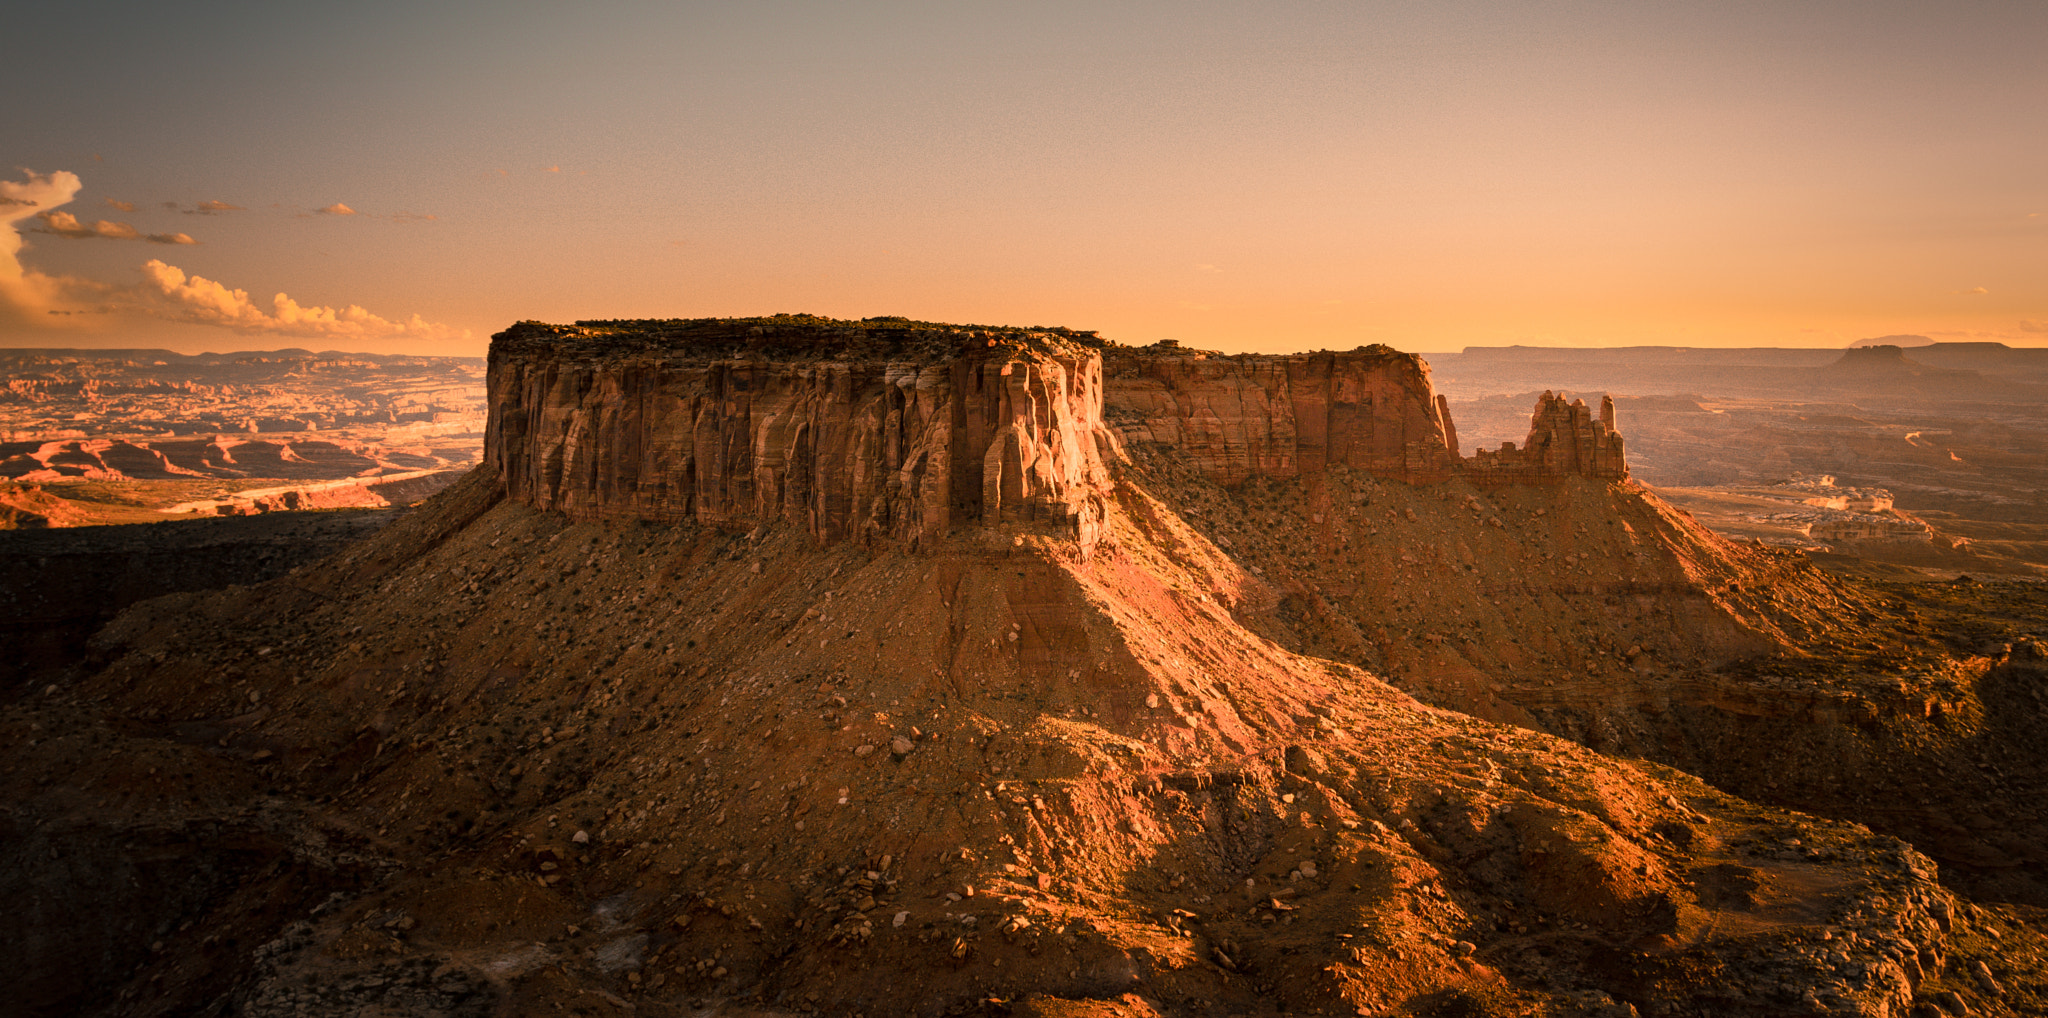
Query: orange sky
(1245,177)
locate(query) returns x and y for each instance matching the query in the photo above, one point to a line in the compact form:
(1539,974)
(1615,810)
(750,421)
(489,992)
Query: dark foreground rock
(58,586)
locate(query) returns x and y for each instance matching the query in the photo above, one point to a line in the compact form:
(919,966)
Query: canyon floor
(99,437)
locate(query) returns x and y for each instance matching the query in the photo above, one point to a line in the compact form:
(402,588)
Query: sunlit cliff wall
(852,433)
(902,431)
(1284,415)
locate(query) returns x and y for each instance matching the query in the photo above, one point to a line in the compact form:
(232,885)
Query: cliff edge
(852,430)
(898,430)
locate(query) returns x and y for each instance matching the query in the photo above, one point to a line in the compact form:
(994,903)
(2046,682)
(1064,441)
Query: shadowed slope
(773,751)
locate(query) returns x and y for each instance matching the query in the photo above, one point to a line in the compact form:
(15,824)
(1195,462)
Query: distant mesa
(1877,363)
(1938,373)
(1881,356)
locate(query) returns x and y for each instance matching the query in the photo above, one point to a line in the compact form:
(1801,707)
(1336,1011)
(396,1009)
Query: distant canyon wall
(861,433)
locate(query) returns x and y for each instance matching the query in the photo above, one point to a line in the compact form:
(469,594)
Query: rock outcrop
(899,431)
(1564,440)
(853,430)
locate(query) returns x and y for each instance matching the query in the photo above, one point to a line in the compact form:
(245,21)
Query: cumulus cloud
(208,208)
(25,292)
(336,209)
(64,224)
(172,294)
(167,292)
(120,206)
(38,191)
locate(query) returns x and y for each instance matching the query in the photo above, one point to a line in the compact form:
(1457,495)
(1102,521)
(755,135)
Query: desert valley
(227,434)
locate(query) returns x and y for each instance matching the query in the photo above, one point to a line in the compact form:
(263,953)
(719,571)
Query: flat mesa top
(811,338)
(784,338)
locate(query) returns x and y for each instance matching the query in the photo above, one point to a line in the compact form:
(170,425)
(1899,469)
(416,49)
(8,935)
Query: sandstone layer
(900,431)
(1281,416)
(857,432)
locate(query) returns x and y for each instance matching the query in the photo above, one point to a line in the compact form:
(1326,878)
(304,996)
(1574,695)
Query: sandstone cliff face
(1282,416)
(901,432)
(1371,409)
(851,432)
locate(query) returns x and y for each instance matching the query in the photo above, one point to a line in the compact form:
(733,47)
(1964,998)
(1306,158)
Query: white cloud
(35,298)
(25,292)
(64,224)
(174,295)
(336,209)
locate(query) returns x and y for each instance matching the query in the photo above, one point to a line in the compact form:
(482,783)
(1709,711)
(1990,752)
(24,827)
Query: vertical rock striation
(1372,409)
(900,431)
(1284,415)
(853,431)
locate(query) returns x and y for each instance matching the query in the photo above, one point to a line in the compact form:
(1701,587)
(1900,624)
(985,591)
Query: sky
(412,177)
